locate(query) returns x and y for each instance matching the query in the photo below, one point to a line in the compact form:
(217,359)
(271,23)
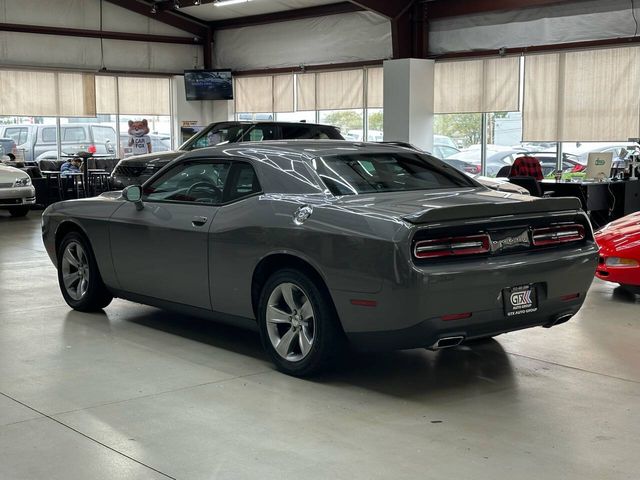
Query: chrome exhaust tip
(560,319)
(447,342)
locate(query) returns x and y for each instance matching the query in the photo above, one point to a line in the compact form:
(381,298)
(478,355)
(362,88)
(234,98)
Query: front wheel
(298,324)
(18,211)
(78,275)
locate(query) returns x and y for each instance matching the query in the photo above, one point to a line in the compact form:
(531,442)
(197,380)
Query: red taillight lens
(452,246)
(558,234)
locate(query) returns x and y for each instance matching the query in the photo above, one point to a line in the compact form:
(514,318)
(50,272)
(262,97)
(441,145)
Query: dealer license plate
(520,300)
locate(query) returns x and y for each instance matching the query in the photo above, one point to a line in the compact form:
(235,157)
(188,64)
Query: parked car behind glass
(137,169)
(35,140)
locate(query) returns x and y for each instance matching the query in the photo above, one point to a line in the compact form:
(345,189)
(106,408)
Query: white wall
(342,38)
(21,49)
(571,22)
(199,111)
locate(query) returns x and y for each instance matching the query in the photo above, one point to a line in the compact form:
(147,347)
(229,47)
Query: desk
(605,201)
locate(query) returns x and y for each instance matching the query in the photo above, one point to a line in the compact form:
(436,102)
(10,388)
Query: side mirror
(133,193)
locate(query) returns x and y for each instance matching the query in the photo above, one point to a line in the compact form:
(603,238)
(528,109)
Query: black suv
(136,170)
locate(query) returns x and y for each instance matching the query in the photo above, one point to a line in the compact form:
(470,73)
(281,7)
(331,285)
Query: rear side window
(260,133)
(103,134)
(18,135)
(243,182)
(73,134)
(49,135)
(302,131)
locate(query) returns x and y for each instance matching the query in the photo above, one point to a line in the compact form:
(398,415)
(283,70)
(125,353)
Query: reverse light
(557,234)
(621,262)
(453,246)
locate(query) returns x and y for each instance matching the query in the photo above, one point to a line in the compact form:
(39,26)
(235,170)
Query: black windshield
(387,172)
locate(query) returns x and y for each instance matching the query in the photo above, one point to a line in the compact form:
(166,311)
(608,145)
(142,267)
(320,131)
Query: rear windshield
(387,172)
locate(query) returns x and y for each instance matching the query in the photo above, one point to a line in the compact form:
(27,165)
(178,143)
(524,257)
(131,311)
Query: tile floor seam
(613,377)
(69,427)
(156,394)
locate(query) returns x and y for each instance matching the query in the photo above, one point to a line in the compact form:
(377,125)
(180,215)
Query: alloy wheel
(75,270)
(290,322)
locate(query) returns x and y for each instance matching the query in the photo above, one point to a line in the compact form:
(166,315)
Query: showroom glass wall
(348,99)
(551,121)
(79,112)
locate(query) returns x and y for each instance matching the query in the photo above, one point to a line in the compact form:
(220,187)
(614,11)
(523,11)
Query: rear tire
(18,211)
(78,275)
(298,324)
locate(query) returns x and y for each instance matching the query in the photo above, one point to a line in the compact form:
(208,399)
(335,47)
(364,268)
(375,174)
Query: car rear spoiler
(486,210)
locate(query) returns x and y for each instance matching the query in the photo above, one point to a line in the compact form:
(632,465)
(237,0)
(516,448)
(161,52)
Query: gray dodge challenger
(324,245)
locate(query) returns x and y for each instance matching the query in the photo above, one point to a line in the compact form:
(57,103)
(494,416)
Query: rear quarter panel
(351,252)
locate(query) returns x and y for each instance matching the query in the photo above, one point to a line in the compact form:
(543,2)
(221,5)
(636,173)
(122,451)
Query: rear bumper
(410,314)
(480,325)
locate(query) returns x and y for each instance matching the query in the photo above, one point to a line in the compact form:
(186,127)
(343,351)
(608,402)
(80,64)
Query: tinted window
(73,134)
(215,136)
(243,182)
(260,133)
(386,172)
(200,182)
(103,134)
(49,135)
(18,135)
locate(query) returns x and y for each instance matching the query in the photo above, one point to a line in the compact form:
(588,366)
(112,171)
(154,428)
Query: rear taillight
(557,234)
(452,246)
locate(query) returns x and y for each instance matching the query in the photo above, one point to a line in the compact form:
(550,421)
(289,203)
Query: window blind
(283,93)
(143,96)
(47,94)
(591,95)
(106,94)
(254,94)
(375,88)
(340,90)
(475,86)
(306,92)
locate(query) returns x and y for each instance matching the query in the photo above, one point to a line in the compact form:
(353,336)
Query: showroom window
(348,99)
(83,110)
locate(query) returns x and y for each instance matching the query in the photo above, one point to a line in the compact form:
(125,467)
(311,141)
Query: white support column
(203,112)
(408,101)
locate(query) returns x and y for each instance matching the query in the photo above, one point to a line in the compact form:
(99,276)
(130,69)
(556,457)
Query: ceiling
(210,12)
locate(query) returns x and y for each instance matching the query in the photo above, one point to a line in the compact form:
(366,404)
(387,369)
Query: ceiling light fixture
(196,2)
(176,4)
(154,9)
(222,3)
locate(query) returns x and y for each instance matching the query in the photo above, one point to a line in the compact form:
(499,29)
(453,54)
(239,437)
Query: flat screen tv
(208,84)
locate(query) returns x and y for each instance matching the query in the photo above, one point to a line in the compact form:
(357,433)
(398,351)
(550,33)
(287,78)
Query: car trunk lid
(420,207)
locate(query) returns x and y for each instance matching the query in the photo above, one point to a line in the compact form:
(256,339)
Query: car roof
(310,148)
(274,122)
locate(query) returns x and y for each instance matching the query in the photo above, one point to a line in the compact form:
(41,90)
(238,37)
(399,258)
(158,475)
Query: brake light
(453,246)
(557,234)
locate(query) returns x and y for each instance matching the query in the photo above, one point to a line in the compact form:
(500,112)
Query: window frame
(233,166)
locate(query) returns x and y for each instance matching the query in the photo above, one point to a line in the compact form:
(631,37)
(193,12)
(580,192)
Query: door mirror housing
(133,193)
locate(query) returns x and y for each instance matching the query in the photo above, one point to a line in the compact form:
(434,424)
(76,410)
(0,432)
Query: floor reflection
(481,366)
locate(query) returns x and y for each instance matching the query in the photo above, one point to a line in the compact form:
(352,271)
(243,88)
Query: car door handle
(198,221)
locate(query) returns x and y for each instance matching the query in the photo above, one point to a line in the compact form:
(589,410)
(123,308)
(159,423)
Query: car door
(161,250)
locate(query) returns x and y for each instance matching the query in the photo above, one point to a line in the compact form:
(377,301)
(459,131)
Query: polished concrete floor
(138,393)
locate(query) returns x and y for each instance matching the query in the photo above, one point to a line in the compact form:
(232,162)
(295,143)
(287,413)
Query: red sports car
(619,244)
